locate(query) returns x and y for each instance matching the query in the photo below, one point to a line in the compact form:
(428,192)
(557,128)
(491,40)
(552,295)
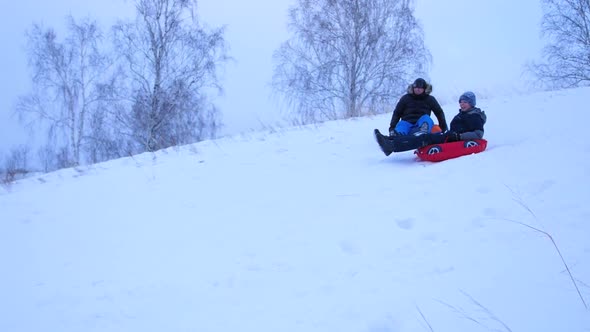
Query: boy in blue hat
(468,123)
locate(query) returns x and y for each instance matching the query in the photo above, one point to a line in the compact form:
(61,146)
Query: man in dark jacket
(412,112)
(466,125)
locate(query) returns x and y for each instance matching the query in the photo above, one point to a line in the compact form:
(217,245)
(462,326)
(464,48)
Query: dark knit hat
(469,97)
(419,83)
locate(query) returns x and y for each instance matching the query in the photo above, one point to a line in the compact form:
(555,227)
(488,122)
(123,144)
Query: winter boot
(422,130)
(385,143)
(394,133)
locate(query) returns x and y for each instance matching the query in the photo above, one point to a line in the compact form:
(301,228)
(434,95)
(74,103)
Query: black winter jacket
(469,124)
(411,107)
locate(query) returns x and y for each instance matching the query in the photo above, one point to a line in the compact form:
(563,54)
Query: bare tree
(172,64)
(67,84)
(16,164)
(105,141)
(566,26)
(47,155)
(348,57)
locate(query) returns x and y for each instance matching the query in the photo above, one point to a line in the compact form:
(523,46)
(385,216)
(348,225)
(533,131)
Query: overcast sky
(478,46)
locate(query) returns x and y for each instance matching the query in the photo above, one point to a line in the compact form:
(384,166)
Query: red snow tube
(444,151)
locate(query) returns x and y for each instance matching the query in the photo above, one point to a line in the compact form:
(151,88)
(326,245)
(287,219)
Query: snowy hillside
(312,229)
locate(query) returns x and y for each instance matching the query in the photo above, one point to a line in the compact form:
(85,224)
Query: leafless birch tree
(66,84)
(566,27)
(348,57)
(172,64)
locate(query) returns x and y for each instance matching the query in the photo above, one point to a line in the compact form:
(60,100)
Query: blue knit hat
(468,97)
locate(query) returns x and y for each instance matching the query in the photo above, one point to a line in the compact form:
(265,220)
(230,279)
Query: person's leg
(436,138)
(403,127)
(411,142)
(424,124)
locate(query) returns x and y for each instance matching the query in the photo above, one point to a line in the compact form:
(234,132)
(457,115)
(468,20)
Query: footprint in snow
(405,223)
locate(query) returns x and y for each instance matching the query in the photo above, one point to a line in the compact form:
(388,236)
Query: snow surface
(312,229)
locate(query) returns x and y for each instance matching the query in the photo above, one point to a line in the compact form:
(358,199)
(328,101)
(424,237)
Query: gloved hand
(452,136)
